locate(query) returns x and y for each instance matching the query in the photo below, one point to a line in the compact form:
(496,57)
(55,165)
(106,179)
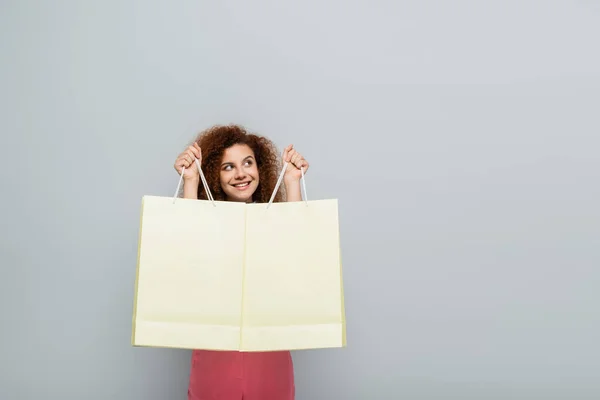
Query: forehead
(237,152)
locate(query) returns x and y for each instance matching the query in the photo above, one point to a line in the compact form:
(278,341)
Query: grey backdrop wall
(461,139)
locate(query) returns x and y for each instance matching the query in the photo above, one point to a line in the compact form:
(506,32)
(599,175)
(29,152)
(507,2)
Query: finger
(191,154)
(179,166)
(286,152)
(184,160)
(300,162)
(195,149)
(296,159)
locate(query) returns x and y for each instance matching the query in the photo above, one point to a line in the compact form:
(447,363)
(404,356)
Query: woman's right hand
(187,159)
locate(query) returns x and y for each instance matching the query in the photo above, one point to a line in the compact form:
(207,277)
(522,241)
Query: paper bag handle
(279,183)
(204,183)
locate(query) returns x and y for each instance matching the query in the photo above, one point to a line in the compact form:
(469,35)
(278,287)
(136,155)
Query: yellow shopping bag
(233,276)
(292,296)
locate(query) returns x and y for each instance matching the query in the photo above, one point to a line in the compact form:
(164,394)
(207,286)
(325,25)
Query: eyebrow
(229,162)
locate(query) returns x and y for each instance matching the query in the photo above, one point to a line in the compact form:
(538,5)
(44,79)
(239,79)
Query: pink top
(233,375)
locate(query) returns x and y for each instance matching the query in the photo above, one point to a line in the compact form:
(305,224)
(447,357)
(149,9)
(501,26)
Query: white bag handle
(279,183)
(204,183)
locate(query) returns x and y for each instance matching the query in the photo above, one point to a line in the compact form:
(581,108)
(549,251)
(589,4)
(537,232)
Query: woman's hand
(295,162)
(187,159)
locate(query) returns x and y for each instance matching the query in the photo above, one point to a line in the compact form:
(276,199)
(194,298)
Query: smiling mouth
(241,185)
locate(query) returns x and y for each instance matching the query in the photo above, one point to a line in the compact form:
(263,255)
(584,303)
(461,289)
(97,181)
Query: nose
(240,174)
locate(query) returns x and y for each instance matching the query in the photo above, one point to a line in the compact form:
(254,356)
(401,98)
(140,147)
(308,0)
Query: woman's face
(239,173)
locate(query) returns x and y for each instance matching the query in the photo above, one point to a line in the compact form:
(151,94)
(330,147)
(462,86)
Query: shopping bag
(233,276)
(292,277)
(189,279)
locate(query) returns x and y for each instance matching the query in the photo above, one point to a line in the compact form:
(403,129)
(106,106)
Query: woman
(243,167)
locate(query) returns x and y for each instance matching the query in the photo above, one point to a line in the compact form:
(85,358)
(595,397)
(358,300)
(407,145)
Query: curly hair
(215,140)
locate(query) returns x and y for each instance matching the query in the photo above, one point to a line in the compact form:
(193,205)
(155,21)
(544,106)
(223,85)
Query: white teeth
(242,184)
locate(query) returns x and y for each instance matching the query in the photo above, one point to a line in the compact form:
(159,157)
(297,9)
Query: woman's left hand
(295,162)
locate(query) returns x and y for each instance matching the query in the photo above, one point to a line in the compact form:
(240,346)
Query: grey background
(461,139)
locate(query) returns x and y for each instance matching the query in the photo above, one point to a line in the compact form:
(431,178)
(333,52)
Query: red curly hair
(215,140)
